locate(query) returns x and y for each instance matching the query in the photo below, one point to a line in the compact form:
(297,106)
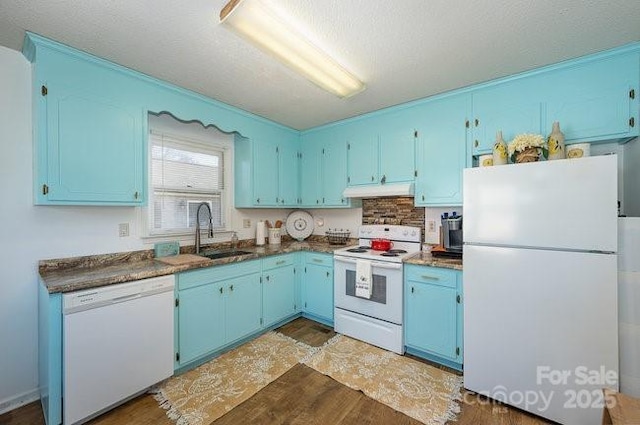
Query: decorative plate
(299,225)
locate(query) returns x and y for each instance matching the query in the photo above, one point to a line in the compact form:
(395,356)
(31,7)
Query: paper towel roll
(260,233)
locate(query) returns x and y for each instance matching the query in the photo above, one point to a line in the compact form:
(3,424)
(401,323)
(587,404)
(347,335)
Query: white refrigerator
(540,285)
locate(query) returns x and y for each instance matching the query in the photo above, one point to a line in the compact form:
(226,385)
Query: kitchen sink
(224,254)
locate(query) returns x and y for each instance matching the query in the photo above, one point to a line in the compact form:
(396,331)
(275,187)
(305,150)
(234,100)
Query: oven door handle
(378,264)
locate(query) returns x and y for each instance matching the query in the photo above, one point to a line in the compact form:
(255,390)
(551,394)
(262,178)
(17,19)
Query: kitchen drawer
(277,261)
(199,277)
(431,275)
(320,259)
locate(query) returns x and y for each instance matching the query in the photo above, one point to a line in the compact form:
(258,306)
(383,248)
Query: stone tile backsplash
(393,210)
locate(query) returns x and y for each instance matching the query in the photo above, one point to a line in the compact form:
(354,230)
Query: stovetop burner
(390,254)
(358,250)
(396,251)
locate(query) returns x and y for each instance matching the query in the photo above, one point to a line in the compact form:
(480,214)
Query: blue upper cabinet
(90,149)
(596,101)
(397,150)
(513,107)
(94,148)
(334,173)
(323,170)
(91,128)
(362,158)
(288,174)
(310,173)
(441,151)
(265,178)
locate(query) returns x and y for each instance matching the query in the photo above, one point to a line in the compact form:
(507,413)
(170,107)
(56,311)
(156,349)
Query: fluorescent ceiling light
(254,21)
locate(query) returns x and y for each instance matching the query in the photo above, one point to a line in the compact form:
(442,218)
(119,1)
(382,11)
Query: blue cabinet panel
(362,159)
(334,173)
(513,107)
(243,305)
(433,314)
(594,101)
(279,293)
(200,321)
(441,152)
(94,149)
(288,174)
(265,179)
(311,186)
(397,151)
(317,291)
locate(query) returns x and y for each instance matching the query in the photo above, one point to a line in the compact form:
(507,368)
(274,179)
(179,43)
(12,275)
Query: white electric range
(378,318)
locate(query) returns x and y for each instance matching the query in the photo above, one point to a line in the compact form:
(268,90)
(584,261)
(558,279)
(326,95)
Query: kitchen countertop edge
(76,279)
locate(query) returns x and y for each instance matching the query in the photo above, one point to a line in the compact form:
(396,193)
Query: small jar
(234,240)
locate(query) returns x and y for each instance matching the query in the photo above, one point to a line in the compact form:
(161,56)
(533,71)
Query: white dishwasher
(117,342)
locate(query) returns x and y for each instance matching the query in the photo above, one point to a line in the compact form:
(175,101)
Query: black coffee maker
(452,234)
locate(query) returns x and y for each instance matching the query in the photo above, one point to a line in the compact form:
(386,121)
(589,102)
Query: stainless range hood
(380,190)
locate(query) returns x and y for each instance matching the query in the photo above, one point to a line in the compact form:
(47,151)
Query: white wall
(631,204)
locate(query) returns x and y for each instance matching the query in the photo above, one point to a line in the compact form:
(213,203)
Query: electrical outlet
(123,230)
(246,223)
(431,226)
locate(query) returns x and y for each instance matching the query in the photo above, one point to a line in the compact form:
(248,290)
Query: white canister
(274,236)
(260,236)
(485,160)
(579,150)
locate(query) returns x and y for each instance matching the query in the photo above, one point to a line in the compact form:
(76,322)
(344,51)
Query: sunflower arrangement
(527,148)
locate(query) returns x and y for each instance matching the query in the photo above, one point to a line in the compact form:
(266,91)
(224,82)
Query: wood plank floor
(144,410)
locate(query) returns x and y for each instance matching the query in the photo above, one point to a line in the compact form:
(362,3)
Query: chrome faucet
(198,225)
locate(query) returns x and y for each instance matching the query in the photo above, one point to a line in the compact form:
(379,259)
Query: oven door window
(379,294)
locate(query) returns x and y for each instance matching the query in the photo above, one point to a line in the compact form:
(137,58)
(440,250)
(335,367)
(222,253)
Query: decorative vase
(555,142)
(527,155)
(500,150)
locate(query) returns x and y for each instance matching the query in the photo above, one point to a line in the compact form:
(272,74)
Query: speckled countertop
(425,258)
(77,273)
(72,274)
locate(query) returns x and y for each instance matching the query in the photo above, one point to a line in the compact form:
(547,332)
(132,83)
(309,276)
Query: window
(184,173)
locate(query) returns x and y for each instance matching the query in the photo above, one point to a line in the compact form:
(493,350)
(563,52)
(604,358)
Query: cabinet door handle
(458,299)
(317,260)
(327,274)
(258,201)
(427,277)
(231,288)
(372,178)
(267,278)
(413,289)
(280,262)
(476,122)
(423,197)
(632,122)
(221,290)
(476,143)
(632,94)
(135,195)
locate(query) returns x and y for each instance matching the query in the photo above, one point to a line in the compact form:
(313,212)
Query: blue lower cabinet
(215,307)
(278,289)
(200,321)
(242,307)
(317,287)
(433,314)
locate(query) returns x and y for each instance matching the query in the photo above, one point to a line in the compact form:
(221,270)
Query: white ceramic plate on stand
(299,225)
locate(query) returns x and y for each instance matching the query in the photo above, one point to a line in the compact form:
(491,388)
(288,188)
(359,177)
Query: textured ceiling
(402,50)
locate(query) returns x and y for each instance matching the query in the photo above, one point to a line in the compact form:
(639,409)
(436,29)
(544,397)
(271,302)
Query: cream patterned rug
(202,395)
(421,391)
